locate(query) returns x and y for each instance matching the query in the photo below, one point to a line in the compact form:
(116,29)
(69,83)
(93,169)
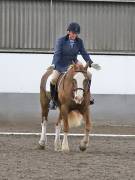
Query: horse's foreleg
(57,142)
(65,146)
(85,141)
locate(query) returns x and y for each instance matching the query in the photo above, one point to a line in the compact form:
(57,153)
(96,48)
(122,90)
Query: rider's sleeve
(84,53)
(58,51)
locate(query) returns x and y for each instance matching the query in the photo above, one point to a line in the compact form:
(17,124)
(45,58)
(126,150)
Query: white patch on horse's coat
(79,77)
(65,146)
(47,87)
(57,131)
(43,138)
(57,142)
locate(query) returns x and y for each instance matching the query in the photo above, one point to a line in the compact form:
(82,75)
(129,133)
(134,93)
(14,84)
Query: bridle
(74,89)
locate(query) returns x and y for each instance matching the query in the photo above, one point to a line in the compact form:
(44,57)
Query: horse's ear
(86,66)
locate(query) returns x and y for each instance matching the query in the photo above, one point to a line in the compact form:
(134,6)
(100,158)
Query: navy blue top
(65,53)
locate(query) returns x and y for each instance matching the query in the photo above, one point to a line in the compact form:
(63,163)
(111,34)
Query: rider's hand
(96,66)
(52,66)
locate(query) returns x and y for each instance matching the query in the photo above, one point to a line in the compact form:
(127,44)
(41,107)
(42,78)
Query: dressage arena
(108,157)
(28,33)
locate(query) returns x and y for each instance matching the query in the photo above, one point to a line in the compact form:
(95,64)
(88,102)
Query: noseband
(75,89)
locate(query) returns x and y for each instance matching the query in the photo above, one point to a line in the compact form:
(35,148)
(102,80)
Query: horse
(73,103)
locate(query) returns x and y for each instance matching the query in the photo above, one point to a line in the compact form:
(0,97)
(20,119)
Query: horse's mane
(76,67)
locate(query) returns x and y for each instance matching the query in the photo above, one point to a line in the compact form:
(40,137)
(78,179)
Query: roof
(125,1)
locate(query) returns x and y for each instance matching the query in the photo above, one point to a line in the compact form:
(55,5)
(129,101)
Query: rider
(66,51)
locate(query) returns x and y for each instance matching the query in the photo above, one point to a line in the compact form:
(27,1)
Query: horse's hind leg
(43,137)
(44,106)
(57,141)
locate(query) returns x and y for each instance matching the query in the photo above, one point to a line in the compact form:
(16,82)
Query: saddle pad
(47,86)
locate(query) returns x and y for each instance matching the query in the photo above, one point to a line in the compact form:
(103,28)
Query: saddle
(56,87)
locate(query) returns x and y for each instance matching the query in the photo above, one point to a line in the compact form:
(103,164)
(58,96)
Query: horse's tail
(74,119)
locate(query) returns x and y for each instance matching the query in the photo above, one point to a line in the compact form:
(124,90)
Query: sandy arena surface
(105,159)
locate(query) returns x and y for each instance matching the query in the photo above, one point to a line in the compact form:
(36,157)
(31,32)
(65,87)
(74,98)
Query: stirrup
(52,105)
(91,101)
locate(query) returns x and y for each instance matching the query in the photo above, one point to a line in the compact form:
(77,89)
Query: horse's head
(80,82)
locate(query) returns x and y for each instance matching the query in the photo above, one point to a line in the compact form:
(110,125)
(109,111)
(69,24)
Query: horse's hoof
(65,150)
(82,148)
(57,146)
(57,149)
(41,144)
(42,147)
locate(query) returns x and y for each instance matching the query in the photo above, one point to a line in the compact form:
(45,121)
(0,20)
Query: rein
(84,72)
(62,78)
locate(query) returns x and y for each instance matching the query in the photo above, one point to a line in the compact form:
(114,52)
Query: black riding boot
(52,104)
(91,99)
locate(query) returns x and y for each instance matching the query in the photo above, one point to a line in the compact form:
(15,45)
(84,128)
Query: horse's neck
(64,81)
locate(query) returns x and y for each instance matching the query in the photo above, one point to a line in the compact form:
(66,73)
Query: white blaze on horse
(73,104)
(78,92)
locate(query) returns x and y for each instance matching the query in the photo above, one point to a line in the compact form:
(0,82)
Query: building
(108,26)
(29,28)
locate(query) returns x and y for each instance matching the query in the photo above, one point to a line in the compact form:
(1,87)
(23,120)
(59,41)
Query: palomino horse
(73,103)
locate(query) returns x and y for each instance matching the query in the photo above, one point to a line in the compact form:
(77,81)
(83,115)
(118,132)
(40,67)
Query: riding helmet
(74,27)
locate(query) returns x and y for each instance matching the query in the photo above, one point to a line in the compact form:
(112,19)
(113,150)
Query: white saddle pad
(47,87)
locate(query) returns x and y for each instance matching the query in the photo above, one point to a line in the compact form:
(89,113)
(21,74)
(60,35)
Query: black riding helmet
(74,27)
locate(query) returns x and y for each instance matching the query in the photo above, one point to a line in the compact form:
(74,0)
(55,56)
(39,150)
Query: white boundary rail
(53,134)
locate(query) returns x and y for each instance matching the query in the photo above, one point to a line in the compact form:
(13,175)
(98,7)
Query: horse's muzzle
(78,100)
(78,95)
